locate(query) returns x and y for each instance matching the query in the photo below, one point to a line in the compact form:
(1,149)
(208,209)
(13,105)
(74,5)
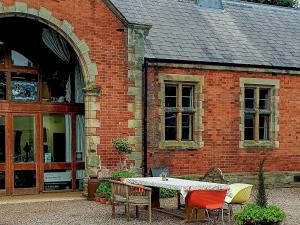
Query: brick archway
(89,69)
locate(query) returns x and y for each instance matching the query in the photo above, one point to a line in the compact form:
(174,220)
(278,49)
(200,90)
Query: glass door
(24,154)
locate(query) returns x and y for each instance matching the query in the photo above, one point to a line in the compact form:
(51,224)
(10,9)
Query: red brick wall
(221,126)
(97,25)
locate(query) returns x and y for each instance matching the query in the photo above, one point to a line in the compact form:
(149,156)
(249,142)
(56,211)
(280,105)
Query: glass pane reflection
(2,180)
(2,139)
(18,59)
(25,179)
(24,139)
(24,87)
(2,86)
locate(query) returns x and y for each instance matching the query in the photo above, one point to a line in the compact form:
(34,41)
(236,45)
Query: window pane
(171,93)
(170,90)
(55,87)
(1,54)
(264,93)
(24,87)
(249,127)
(2,86)
(2,180)
(57,180)
(170,133)
(170,126)
(187,91)
(249,92)
(187,96)
(264,98)
(18,59)
(171,102)
(249,120)
(24,139)
(25,179)
(187,121)
(249,98)
(80,138)
(170,119)
(56,135)
(79,179)
(249,133)
(264,127)
(2,139)
(264,104)
(249,103)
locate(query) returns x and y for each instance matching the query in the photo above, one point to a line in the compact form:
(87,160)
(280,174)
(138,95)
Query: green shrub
(124,173)
(104,190)
(122,145)
(261,198)
(253,214)
(167,193)
(189,177)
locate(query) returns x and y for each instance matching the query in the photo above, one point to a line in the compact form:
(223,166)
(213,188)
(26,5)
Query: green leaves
(122,145)
(261,198)
(254,214)
(286,3)
(104,190)
(167,193)
(122,174)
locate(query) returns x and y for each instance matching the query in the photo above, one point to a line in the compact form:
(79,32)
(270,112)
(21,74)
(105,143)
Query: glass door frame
(73,166)
(24,166)
(4,167)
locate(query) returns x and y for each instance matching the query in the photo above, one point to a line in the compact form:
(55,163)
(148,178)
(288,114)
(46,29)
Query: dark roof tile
(242,33)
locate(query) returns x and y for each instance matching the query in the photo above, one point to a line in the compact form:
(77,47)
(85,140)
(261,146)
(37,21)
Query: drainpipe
(145,94)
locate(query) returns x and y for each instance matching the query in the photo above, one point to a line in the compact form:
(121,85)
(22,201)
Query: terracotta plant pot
(103,200)
(122,179)
(97,199)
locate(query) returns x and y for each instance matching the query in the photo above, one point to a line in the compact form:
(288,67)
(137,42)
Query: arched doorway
(41,110)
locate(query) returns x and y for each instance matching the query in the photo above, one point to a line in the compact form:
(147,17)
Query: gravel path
(82,212)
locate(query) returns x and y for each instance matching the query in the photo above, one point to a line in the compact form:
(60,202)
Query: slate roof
(242,33)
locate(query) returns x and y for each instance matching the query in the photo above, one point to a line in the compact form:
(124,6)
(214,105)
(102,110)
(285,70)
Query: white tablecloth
(176,184)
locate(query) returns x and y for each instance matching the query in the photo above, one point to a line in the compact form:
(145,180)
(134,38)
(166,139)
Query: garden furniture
(181,185)
(209,200)
(130,195)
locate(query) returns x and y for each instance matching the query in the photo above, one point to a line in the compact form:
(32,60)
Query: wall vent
(297,178)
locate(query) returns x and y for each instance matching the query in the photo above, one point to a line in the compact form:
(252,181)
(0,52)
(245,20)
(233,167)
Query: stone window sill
(179,145)
(258,144)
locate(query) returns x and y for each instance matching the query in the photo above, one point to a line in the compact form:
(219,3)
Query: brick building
(190,83)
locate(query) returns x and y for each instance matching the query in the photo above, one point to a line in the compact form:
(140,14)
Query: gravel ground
(82,212)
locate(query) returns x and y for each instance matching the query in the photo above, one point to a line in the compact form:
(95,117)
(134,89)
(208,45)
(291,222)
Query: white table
(177,184)
(180,185)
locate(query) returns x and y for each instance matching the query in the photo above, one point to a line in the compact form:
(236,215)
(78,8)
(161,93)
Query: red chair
(209,200)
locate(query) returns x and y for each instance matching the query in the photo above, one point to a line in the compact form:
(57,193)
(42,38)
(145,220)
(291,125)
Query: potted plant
(122,175)
(260,213)
(103,192)
(122,146)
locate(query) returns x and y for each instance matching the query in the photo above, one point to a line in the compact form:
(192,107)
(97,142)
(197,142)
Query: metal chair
(129,194)
(214,175)
(208,200)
